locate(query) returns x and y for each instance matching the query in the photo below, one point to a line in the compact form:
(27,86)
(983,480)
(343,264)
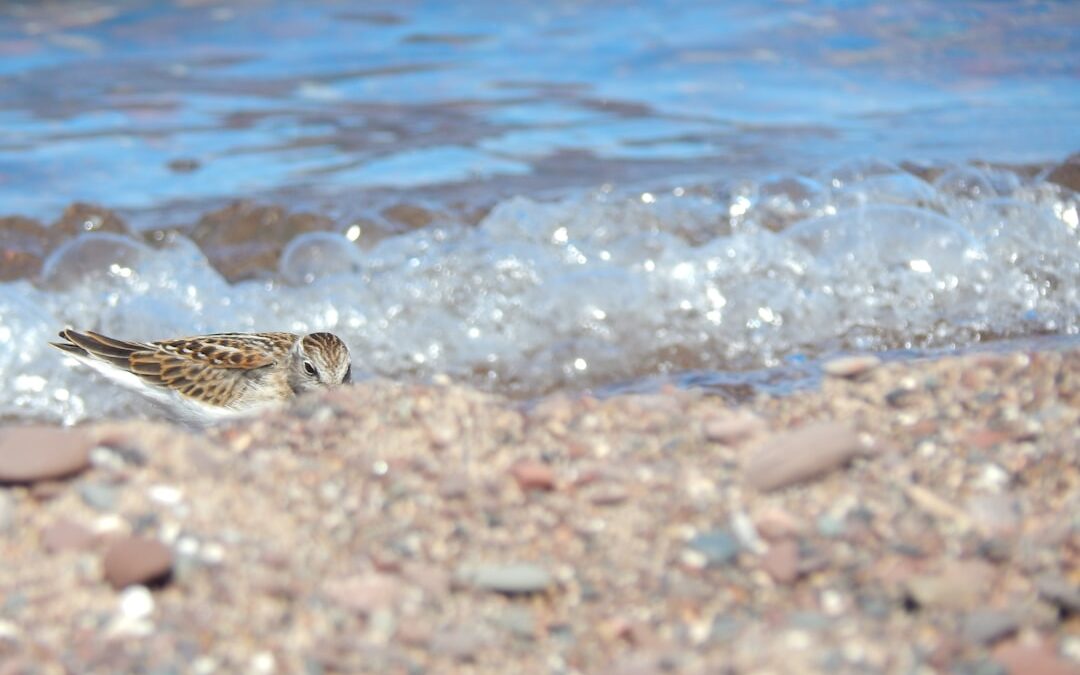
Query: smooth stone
(959,585)
(1059,592)
(850,366)
(781,561)
(732,429)
(987,626)
(809,452)
(531,475)
(718,546)
(136,560)
(31,454)
(98,496)
(1041,658)
(510,578)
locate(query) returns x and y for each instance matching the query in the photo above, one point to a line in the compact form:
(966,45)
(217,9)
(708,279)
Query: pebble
(960,585)
(793,457)
(781,561)
(64,535)
(31,454)
(136,560)
(509,578)
(732,429)
(531,475)
(136,602)
(1059,592)
(851,366)
(608,495)
(1040,658)
(98,496)
(987,626)
(775,523)
(718,547)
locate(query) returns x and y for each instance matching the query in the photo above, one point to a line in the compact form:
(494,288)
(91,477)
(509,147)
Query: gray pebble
(1059,592)
(98,496)
(510,578)
(987,626)
(718,546)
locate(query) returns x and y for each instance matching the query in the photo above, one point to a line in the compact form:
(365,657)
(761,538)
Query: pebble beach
(902,517)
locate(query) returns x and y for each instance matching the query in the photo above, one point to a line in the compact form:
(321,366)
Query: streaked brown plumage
(217,375)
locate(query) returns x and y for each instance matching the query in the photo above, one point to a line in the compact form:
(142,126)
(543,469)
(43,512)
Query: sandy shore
(918,517)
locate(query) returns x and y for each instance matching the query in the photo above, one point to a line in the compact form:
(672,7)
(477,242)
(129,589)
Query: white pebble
(166,494)
(136,602)
(263,662)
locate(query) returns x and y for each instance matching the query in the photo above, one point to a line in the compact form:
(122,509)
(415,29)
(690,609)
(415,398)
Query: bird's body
(211,377)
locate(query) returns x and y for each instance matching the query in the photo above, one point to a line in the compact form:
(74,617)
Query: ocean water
(713,194)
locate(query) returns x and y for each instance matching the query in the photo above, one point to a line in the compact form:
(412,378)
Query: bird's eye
(348,376)
(309,368)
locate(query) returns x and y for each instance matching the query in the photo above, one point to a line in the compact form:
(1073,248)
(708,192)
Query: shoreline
(905,515)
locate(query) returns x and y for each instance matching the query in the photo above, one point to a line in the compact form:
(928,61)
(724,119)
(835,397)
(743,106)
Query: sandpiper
(211,377)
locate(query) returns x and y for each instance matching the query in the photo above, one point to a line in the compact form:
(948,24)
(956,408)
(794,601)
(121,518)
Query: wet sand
(906,517)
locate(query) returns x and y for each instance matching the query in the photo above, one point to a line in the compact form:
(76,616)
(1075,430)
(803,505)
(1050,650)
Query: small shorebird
(212,377)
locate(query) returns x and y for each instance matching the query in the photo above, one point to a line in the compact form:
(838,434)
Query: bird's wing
(212,369)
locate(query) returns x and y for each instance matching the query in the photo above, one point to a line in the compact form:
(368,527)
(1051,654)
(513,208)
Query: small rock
(781,561)
(608,495)
(987,626)
(796,456)
(32,454)
(775,524)
(851,366)
(719,547)
(510,578)
(960,585)
(65,535)
(1022,659)
(532,475)
(136,603)
(98,496)
(1059,592)
(135,560)
(1067,174)
(732,429)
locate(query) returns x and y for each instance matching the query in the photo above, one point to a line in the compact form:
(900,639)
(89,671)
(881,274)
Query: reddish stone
(135,560)
(1025,659)
(987,438)
(31,454)
(781,561)
(532,475)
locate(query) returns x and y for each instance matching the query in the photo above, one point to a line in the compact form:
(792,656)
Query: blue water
(321,100)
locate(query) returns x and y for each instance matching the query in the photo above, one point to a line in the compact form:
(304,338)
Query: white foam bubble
(597,288)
